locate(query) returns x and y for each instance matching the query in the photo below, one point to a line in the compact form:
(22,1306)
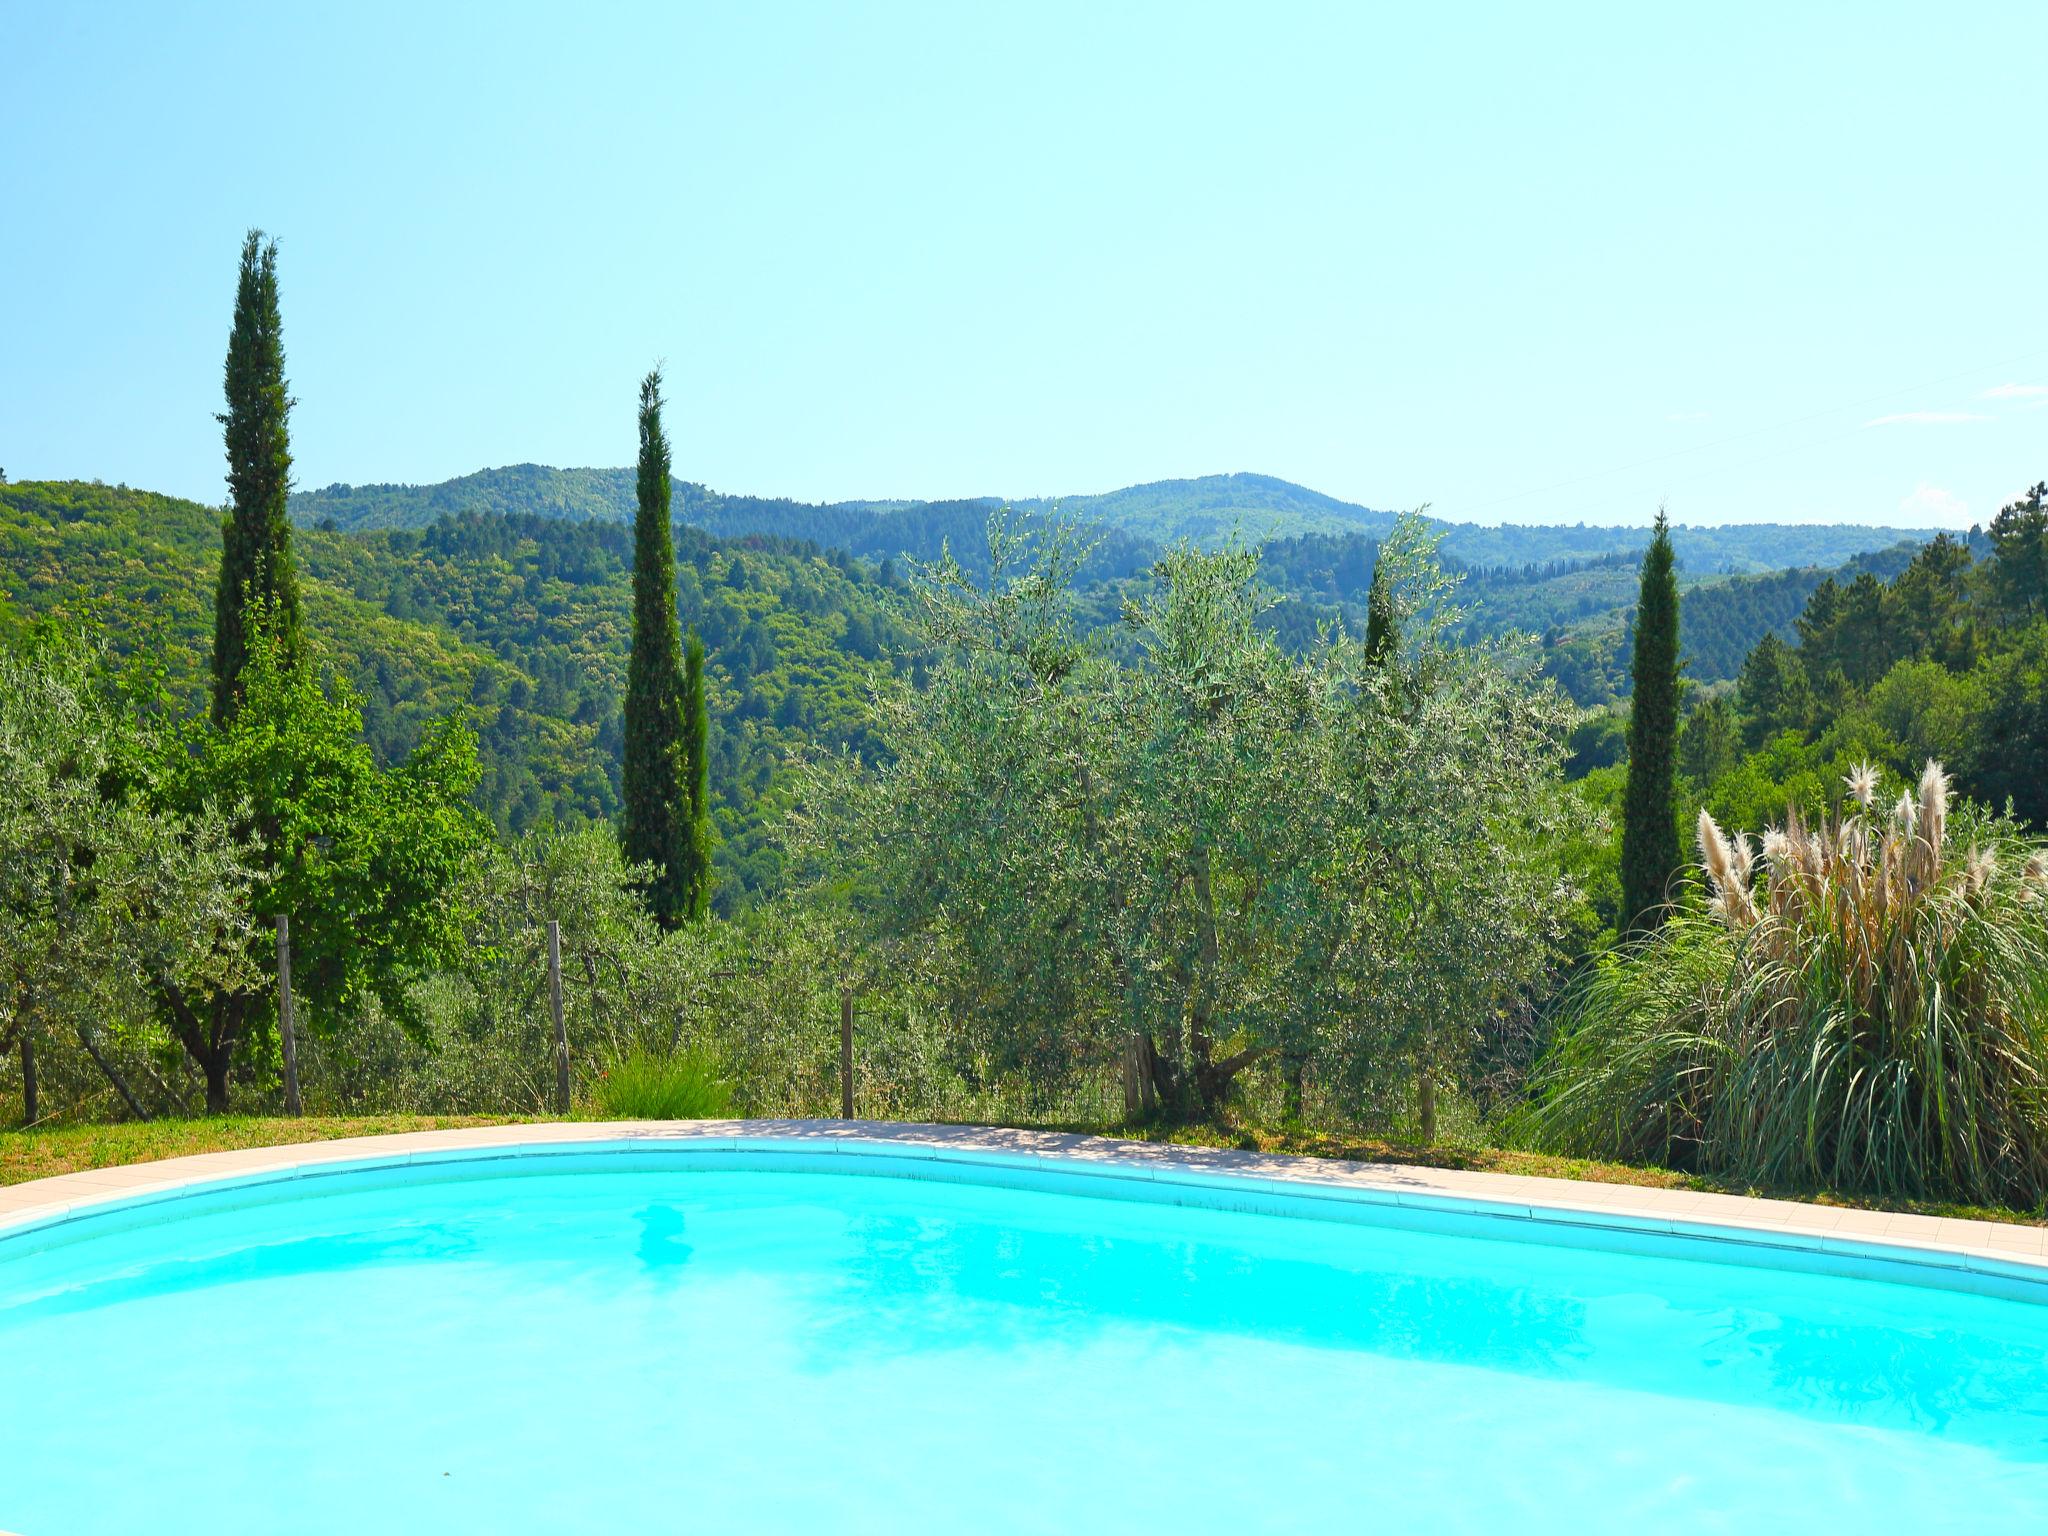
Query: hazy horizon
(1523,268)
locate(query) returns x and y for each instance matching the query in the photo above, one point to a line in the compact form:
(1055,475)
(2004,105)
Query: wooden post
(31,1092)
(287,1026)
(846,1053)
(555,1011)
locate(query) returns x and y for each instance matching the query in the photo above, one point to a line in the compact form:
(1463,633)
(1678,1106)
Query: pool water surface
(562,1344)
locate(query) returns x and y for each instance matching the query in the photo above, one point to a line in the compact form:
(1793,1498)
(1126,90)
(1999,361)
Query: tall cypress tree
(1649,832)
(257,578)
(657,812)
(697,782)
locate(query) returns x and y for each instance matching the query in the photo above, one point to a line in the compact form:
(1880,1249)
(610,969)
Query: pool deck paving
(2001,1252)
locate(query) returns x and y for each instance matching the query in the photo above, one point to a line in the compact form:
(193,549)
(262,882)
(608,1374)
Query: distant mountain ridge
(1141,517)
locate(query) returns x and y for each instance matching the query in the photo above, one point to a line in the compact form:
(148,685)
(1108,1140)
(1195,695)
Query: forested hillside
(1571,585)
(1138,520)
(523,619)
(1720,621)
(1580,608)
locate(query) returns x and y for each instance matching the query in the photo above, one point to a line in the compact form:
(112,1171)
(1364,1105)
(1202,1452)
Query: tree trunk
(1296,1071)
(107,1070)
(31,1094)
(562,1083)
(1426,1103)
(215,1066)
(1141,1078)
(287,1023)
(209,1042)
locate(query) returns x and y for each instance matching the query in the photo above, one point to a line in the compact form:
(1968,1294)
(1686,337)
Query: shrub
(651,1085)
(1863,1006)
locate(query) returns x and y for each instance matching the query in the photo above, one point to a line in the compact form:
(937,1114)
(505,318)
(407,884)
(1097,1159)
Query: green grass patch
(651,1085)
(46,1151)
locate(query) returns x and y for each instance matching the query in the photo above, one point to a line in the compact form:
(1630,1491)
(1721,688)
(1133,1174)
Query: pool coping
(1983,1252)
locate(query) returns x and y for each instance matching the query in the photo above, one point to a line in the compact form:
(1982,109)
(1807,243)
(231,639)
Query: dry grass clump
(1863,1006)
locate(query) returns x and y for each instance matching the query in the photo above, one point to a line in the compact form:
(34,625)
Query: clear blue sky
(1771,262)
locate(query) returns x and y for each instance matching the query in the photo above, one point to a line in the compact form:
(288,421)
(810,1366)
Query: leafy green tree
(1925,711)
(257,575)
(99,891)
(1649,837)
(697,872)
(1382,628)
(1192,850)
(657,810)
(366,861)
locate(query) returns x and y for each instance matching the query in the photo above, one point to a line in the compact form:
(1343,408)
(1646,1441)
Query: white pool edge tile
(1936,1246)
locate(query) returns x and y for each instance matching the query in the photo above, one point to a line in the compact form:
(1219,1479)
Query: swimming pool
(783,1338)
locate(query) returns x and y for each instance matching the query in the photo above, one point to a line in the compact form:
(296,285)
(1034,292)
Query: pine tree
(259,586)
(697,878)
(1649,834)
(1382,633)
(1773,691)
(653,787)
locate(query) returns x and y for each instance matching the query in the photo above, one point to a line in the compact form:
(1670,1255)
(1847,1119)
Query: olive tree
(1182,844)
(100,891)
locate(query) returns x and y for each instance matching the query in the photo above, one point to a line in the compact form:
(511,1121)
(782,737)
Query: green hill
(523,620)
(1719,620)
(1138,519)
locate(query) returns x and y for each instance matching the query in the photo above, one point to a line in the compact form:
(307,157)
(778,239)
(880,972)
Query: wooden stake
(846,1053)
(286,1024)
(555,1010)
(31,1094)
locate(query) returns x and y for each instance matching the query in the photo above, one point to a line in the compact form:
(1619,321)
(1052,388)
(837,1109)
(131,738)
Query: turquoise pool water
(585,1343)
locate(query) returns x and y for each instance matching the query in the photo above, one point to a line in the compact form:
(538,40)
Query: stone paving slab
(2007,1252)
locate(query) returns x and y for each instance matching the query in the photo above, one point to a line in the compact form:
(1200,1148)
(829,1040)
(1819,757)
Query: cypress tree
(1382,635)
(653,789)
(697,878)
(1649,833)
(259,587)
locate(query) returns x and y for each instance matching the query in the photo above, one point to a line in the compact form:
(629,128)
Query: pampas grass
(1862,1007)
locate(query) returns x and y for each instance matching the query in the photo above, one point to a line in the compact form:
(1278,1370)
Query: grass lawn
(49,1150)
(54,1149)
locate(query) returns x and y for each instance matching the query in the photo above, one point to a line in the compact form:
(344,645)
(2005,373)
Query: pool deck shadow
(2002,1255)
